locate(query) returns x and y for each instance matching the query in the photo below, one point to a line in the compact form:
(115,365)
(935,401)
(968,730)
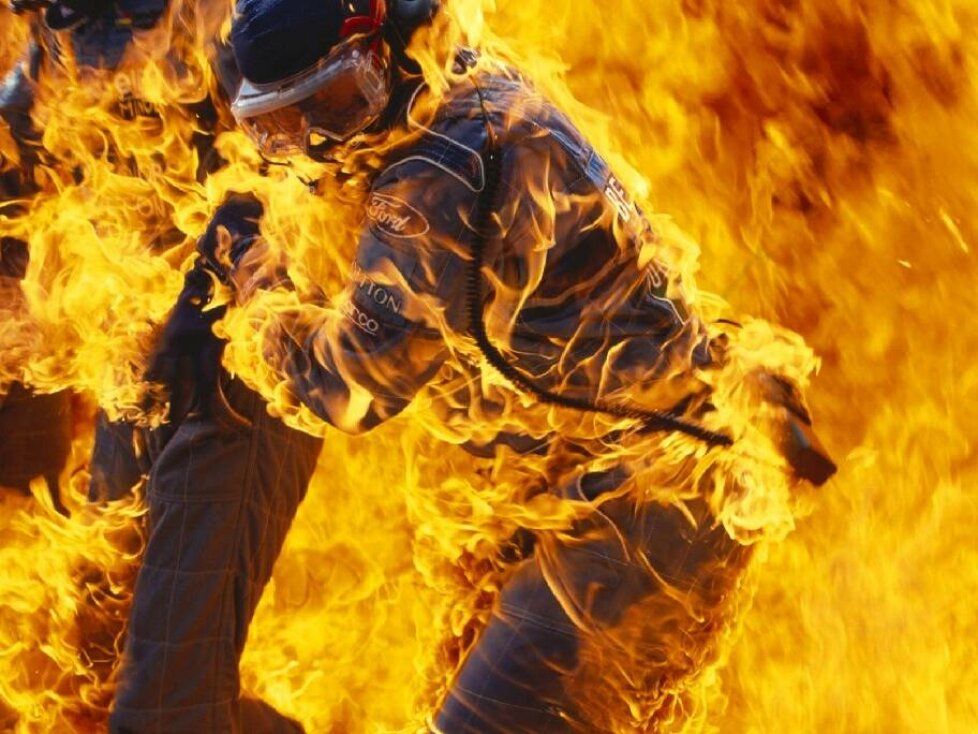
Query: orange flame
(817,167)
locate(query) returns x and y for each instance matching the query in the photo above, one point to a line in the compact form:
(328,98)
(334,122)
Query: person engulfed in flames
(497,243)
(90,45)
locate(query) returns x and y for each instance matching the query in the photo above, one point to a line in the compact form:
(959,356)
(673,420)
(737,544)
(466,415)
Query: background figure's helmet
(314,68)
(67,14)
(64,14)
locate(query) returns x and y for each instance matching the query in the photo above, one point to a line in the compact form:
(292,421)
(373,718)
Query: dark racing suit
(225,484)
(568,300)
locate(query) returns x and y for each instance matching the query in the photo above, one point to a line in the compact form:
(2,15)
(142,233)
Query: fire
(66,591)
(812,164)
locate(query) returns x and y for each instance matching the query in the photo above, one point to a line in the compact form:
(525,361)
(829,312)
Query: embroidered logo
(395,218)
(385,297)
(129,105)
(361,320)
(616,195)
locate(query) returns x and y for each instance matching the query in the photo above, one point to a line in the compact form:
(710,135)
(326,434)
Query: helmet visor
(337,98)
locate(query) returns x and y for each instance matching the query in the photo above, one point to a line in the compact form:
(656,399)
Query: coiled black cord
(653,420)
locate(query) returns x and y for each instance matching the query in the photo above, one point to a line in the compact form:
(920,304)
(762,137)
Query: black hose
(654,420)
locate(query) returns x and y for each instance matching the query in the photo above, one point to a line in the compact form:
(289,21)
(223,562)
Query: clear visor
(335,99)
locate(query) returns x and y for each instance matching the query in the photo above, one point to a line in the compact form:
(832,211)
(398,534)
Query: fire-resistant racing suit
(563,293)
(35,430)
(567,296)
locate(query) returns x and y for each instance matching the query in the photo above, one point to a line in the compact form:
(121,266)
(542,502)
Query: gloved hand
(187,358)
(62,15)
(28,6)
(237,254)
(791,429)
(232,231)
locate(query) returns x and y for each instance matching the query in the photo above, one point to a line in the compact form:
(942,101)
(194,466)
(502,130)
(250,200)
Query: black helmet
(275,39)
(318,67)
(66,14)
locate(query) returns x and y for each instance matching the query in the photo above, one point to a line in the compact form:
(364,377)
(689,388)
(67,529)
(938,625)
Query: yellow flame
(67,586)
(817,165)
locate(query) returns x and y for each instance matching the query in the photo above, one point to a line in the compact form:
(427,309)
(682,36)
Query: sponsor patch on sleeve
(374,307)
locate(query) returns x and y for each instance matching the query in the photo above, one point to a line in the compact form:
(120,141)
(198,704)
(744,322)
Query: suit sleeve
(361,359)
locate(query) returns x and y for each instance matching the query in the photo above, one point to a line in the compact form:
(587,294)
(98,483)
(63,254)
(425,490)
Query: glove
(792,431)
(63,15)
(236,253)
(231,233)
(28,6)
(187,358)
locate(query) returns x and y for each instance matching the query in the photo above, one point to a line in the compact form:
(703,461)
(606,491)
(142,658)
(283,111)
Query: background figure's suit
(36,430)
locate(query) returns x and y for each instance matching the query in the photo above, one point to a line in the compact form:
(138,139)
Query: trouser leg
(35,439)
(511,681)
(602,622)
(221,499)
(35,429)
